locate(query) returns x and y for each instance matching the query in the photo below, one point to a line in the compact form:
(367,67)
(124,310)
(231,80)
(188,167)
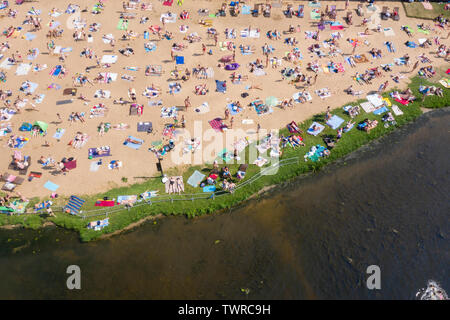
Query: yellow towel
(388,102)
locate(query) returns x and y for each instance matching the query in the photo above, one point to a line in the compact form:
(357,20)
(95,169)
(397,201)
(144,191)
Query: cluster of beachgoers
(112,84)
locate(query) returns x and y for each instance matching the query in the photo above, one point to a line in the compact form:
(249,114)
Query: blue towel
(230,107)
(51,186)
(209,189)
(133,145)
(381,110)
(220,86)
(246,9)
(335,122)
(58,135)
(195,179)
(179,60)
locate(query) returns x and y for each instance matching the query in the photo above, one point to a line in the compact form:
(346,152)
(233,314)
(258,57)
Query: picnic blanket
(319,128)
(335,122)
(217,124)
(380,110)
(168,17)
(195,179)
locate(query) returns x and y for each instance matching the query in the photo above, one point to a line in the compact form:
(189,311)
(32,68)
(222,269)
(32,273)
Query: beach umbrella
(271,101)
(42,125)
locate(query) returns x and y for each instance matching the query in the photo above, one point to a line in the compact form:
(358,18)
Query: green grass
(350,142)
(416,10)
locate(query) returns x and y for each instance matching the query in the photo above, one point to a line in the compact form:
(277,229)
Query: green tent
(42,125)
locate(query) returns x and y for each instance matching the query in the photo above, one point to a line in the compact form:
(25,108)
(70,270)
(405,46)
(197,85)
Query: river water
(386,205)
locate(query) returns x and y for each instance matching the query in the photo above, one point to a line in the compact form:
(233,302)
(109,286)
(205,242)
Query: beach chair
(396,14)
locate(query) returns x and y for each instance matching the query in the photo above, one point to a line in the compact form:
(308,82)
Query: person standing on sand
(216,37)
(227,113)
(231,122)
(346,4)
(203,48)
(187,103)
(415,66)
(258,128)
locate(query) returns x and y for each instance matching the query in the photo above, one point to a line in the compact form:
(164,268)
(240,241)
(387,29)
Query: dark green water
(313,238)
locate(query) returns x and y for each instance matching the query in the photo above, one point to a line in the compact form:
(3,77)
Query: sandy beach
(141,162)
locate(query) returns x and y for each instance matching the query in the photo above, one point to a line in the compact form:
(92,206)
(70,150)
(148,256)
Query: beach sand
(141,163)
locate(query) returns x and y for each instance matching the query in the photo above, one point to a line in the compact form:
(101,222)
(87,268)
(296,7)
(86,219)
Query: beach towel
(32,87)
(174,88)
(225,155)
(104,151)
(144,126)
(336,26)
(445,82)
(167,112)
(168,17)
(397,110)
(23,69)
(131,199)
(51,186)
(246,9)
(380,110)
(122,25)
(179,59)
(402,101)
(335,122)
(195,179)
(368,107)
(168,3)
(102,94)
(108,76)
(94,166)
(105,203)
(233,110)
(74,205)
(136,144)
(109,59)
(315,14)
(203,108)
(34,55)
(319,128)
(375,99)
(247,121)
(389,32)
(217,124)
(208,189)
(112,163)
(6,64)
(59,133)
(260,161)
(150,47)
(221,86)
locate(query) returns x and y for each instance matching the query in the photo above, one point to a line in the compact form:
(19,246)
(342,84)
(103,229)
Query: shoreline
(265,191)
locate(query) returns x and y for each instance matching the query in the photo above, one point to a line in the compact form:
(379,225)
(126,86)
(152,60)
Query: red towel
(168,3)
(448,71)
(105,203)
(216,124)
(402,101)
